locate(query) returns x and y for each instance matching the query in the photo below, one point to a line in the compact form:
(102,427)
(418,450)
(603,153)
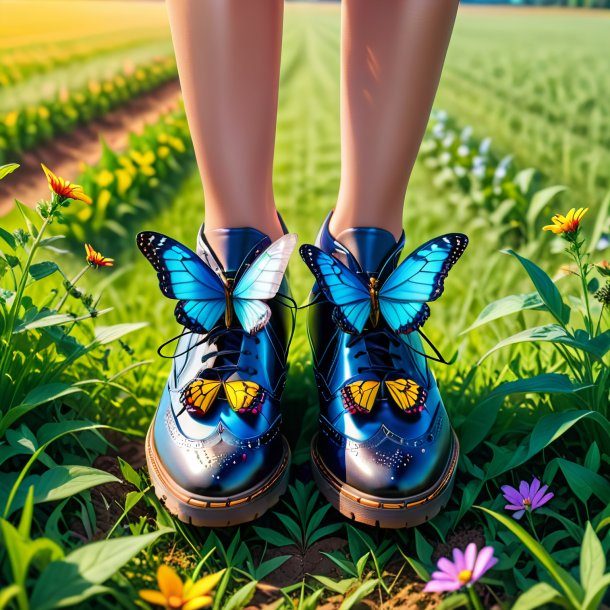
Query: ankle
(342,220)
(269,224)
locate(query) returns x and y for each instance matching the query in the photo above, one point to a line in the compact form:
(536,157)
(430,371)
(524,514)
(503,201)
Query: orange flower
(176,595)
(567,224)
(63,188)
(95,259)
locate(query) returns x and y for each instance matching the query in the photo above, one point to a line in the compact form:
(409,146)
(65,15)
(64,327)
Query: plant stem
(72,285)
(475,602)
(531,522)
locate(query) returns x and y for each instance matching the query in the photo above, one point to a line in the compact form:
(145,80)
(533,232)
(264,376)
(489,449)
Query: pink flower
(466,568)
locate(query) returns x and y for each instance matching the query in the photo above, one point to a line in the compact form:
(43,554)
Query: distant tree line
(570,3)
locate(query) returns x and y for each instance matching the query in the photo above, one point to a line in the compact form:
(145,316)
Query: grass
(537,85)
(536,408)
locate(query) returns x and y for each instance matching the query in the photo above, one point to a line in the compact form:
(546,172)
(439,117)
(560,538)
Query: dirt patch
(64,154)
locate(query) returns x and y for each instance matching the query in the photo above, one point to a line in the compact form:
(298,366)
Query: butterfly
(401,299)
(359,397)
(204,296)
(243,396)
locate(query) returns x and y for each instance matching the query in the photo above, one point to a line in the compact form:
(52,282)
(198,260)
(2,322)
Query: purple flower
(466,568)
(527,497)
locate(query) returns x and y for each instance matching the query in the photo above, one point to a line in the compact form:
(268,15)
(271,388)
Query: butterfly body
(229,309)
(374,292)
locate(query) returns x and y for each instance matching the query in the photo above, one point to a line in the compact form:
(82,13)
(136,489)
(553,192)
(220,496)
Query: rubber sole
(391,513)
(203,511)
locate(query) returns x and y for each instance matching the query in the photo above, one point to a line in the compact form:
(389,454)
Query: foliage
(28,125)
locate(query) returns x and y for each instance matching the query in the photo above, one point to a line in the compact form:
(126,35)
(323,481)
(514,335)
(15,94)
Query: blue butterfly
(204,296)
(401,299)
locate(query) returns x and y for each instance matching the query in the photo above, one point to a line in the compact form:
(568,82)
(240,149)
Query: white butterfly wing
(260,282)
(262,279)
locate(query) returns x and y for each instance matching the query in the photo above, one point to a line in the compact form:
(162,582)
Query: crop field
(520,131)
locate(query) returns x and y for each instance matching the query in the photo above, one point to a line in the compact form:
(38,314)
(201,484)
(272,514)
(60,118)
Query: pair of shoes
(385,453)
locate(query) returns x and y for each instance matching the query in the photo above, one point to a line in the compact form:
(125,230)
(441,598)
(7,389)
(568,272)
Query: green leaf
(7,169)
(592,560)
(7,594)
(57,483)
(546,289)
(540,201)
(571,589)
(34,398)
(41,270)
(480,420)
(505,307)
(359,594)
(547,430)
(537,596)
(583,481)
(78,576)
(457,600)
(8,238)
(338,586)
(58,320)
(241,598)
(273,537)
(551,333)
(108,334)
(594,596)
(418,568)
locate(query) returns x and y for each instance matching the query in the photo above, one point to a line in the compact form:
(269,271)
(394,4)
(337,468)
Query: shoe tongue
(231,247)
(370,246)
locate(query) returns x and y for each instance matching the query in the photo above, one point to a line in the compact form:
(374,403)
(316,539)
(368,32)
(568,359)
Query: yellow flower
(177,144)
(95,259)
(104,178)
(10,120)
(124,181)
(567,224)
(176,595)
(64,188)
(43,112)
(163,151)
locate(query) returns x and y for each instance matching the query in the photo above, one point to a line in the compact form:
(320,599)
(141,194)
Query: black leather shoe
(385,453)
(215,452)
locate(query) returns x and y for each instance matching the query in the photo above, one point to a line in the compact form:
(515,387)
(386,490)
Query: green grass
(538,84)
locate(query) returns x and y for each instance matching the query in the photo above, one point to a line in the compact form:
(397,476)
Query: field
(521,114)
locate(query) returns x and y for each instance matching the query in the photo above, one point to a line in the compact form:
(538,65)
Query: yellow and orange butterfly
(359,397)
(242,396)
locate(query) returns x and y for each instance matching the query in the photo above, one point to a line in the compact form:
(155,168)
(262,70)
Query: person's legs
(392,54)
(228,54)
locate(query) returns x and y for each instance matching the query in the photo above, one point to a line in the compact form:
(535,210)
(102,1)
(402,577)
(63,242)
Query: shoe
(385,453)
(215,453)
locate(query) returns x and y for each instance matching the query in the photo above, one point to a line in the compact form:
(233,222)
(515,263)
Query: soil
(65,153)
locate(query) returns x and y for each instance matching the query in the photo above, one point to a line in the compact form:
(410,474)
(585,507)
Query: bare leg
(228,54)
(392,53)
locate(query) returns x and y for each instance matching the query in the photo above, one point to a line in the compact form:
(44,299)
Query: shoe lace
(376,345)
(229,343)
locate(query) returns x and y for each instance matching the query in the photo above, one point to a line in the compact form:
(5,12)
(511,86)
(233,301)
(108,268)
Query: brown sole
(394,513)
(203,511)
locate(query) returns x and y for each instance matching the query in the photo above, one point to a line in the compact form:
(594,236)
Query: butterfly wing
(407,394)
(199,394)
(261,281)
(418,279)
(341,287)
(184,276)
(244,396)
(359,397)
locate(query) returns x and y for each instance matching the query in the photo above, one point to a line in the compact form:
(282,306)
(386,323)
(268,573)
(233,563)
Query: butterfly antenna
(439,357)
